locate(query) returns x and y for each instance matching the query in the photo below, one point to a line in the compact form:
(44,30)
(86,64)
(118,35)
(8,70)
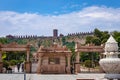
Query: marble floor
(51,76)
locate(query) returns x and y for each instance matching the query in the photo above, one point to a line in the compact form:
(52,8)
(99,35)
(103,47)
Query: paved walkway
(51,77)
(65,77)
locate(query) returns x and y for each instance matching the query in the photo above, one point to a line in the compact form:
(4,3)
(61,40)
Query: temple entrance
(87,48)
(54,60)
(16,47)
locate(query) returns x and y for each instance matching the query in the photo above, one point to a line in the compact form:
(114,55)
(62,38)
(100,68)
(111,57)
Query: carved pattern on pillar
(28,63)
(68,64)
(77,64)
(39,64)
(28,55)
(28,67)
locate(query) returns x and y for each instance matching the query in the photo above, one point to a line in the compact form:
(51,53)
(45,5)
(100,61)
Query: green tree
(3,40)
(88,63)
(63,40)
(89,39)
(116,34)
(100,37)
(96,41)
(98,33)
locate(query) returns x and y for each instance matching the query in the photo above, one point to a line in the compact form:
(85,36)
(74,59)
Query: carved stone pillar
(77,63)
(28,67)
(28,55)
(77,57)
(0,56)
(1,64)
(28,63)
(39,64)
(68,61)
(68,64)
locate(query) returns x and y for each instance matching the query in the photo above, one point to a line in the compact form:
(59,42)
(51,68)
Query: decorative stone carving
(53,59)
(111,45)
(111,63)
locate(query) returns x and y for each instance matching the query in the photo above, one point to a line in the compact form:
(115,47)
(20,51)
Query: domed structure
(111,64)
(111,45)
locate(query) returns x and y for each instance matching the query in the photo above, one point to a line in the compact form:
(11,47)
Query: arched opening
(13,48)
(90,50)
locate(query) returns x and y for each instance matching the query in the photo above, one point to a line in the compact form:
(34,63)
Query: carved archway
(16,47)
(53,59)
(87,48)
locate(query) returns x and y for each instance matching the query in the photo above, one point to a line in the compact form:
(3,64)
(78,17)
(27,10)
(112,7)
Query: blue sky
(39,17)
(53,6)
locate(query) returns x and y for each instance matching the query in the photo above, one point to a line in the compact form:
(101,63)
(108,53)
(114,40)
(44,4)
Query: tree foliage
(100,37)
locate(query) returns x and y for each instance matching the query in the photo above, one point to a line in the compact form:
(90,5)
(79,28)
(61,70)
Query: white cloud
(36,24)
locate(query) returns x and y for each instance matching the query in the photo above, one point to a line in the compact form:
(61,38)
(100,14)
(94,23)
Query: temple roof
(111,45)
(111,40)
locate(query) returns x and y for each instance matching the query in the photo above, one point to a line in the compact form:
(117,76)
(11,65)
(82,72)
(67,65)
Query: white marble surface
(52,76)
(11,76)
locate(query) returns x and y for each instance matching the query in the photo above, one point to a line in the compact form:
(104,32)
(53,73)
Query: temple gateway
(53,59)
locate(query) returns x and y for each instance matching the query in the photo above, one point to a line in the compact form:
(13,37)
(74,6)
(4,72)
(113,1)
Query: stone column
(1,64)
(28,55)
(68,61)
(39,64)
(77,63)
(0,56)
(77,57)
(68,64)
(28,63)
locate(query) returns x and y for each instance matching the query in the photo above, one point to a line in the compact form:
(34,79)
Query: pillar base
(1,66)
(68,70)
(77,68)
(28,67)
(38,70)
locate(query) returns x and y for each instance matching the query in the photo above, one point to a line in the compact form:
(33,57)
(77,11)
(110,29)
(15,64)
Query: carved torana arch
(87,48)
(15,47)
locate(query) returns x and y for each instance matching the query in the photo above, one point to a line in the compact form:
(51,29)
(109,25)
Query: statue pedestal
(28,67)
(68,70)
(1,66)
